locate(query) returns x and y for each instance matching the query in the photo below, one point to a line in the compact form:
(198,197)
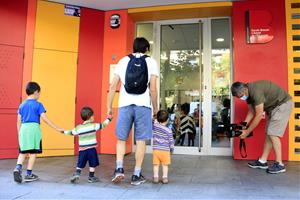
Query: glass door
(220,73)
(194,57)
(181,82)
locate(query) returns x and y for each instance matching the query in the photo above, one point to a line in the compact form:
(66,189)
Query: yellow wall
(54,68)
(54,30)
(292,76)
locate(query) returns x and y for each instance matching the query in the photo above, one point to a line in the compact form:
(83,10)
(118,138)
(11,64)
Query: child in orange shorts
(163,145)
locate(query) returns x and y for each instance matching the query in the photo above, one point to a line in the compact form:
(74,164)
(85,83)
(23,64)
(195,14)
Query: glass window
(221,79)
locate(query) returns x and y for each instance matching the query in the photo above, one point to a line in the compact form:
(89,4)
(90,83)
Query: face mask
(244,97)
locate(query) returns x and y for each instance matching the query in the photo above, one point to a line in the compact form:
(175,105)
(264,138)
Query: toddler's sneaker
(276,168)
(258,165)
(118,175)
(137,180)
(75,178)
(31,177)
(93,179)
(18,175)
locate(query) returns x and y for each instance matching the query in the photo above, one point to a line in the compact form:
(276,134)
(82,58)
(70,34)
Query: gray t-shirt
(268,93)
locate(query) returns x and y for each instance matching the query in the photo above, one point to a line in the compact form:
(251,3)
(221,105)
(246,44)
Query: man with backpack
(138,74)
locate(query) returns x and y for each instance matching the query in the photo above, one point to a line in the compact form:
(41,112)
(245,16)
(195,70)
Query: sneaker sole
(281,171)
(31,180)
(93,181)
(138,183)
(257,167)
(118,178)
(17,177)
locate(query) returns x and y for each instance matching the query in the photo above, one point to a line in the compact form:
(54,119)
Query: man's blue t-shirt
(31,110)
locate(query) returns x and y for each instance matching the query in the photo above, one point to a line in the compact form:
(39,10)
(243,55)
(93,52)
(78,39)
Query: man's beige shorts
(278,119)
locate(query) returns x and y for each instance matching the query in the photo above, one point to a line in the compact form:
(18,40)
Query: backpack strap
(132,56)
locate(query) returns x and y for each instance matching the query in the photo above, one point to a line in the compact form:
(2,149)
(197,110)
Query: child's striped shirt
(162,138)
(87,133)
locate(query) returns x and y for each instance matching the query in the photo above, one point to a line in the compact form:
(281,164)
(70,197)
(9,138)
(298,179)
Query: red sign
(258,29)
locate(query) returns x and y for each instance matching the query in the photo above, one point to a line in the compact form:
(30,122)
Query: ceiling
(186,36)
(124,4)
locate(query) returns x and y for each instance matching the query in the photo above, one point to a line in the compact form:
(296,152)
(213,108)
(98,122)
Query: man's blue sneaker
(276,168)
(258,165)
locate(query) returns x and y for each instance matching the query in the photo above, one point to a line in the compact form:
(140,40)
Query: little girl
(163,145)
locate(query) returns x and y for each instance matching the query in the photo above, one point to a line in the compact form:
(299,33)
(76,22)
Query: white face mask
(244,97)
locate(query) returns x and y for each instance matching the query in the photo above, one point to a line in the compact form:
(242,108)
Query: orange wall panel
(117,43)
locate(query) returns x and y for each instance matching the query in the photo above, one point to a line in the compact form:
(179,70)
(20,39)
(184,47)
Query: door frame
(206,149)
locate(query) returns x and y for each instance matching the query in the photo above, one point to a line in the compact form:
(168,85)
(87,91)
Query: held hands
(61,130)
(155,114)
(110,113)
(110,117)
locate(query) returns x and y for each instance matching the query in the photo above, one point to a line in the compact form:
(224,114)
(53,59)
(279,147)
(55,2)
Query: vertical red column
(29,44)
(257,62)
(90,64)
(117,43)
(12,40)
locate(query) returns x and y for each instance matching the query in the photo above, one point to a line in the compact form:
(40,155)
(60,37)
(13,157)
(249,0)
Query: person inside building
(261,96)
(187,126)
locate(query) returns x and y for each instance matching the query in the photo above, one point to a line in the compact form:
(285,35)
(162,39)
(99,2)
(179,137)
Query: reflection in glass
(146,30)
(221,73)
(180,80)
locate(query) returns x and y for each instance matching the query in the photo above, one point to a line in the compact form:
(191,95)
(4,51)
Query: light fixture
(220,39)
(151,42)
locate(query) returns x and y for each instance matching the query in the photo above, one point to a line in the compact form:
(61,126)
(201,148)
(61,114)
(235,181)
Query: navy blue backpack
(136,77)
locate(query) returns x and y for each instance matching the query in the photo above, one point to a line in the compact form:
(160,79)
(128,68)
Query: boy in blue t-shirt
(30,135)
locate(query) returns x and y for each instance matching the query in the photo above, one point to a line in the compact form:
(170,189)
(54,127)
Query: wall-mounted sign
(258,28)
(72,10)
(115,21)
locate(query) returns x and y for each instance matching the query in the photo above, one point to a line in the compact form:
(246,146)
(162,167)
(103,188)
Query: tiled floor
(191,177)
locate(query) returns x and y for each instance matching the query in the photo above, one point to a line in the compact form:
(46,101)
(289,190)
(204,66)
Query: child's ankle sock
(19,167)
(78,171)
(137,171)
(29,172)
(91,174)
(262,161)
(119,164)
